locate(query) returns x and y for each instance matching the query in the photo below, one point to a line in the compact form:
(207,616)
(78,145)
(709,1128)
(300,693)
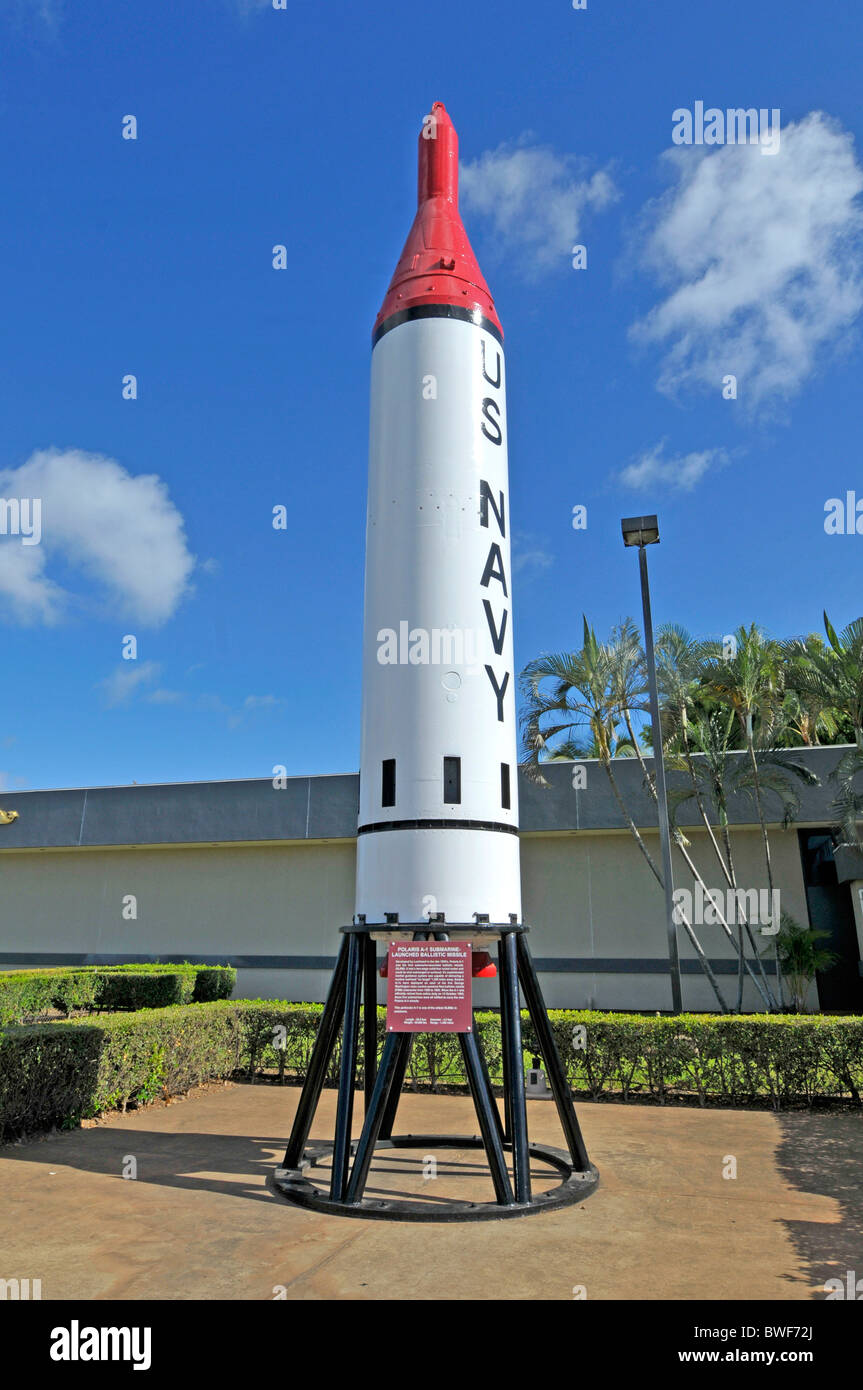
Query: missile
(438,820)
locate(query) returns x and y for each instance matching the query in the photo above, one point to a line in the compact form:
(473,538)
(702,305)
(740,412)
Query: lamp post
(643,531)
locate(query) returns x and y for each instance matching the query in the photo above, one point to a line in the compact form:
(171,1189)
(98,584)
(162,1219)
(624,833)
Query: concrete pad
(199,1221)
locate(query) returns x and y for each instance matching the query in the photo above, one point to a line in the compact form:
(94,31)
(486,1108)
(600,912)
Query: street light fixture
(640,530)
(643,531)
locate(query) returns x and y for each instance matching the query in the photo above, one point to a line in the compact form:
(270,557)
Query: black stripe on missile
(449,824)
(438,311)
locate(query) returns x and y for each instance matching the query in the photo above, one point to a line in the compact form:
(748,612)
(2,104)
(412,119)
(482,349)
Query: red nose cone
(437,265)
(482,966)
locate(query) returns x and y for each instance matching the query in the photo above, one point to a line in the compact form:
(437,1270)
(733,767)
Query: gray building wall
(591,898)
(262,876)
(596,913)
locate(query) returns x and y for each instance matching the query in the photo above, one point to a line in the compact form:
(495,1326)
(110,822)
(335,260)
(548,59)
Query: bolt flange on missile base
(294,1185)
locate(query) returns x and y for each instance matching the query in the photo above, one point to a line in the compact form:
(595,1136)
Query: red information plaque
(428,987)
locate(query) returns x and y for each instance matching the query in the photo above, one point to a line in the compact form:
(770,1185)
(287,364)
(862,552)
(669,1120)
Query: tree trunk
(726,840)
(763,823)
(692,868)
(705,963)
(699,801)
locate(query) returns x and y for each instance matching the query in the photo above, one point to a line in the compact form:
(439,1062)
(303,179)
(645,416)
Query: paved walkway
(200,1222)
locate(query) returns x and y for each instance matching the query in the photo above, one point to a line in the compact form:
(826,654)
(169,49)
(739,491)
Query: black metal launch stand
(355,976)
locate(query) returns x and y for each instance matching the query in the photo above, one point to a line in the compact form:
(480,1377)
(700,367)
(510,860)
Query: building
(261,876)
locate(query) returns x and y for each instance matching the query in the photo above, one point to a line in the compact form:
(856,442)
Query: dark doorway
(840,990)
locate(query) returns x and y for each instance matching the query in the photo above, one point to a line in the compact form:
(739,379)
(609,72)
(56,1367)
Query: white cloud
(263,702)
(535,200)
(529,553)
(762,260)
(26,591)
(124,532)
(651,469)
(164,697)
(48,11)
(130,681)
(127,680)
(208,703)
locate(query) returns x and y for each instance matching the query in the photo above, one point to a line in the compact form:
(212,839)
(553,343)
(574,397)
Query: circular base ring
(292,1184)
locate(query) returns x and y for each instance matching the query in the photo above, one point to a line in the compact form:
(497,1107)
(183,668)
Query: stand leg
(551,1056)
(512,1047)
(507,1083)
(391,1057)
(484,1103)
(370,1019)
(487,1084)
(347,1071)
(321,1053)
(396,1089)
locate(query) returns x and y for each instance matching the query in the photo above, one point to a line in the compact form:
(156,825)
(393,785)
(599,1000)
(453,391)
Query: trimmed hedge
(58,1073)
(211,981)
(152,991)
(27,994)
(55,1074)
(728,1059)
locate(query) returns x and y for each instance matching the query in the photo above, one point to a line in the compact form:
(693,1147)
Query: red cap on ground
(437,265)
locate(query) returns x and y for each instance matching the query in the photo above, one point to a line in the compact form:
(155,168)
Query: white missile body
(438,783)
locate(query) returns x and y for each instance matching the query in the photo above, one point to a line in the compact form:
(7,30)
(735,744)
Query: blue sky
(258,127)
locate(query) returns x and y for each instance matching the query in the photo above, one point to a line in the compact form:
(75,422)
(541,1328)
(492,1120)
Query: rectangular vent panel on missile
(452,781)
(505,798)
(388,782)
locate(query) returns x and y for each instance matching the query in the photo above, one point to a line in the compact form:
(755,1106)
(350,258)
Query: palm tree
(679,668)
(687,724)
(749,683)
(578,700)
(802,957)
(807,710)
(705,756)
(832,676)
(575,750)
(594,689)
(848,803)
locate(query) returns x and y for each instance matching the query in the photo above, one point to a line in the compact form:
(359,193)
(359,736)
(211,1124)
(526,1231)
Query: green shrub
(21,995)
(57,1073)
(155,990)
(731,1059)
(48,1076)
(28,994)
(213,982)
